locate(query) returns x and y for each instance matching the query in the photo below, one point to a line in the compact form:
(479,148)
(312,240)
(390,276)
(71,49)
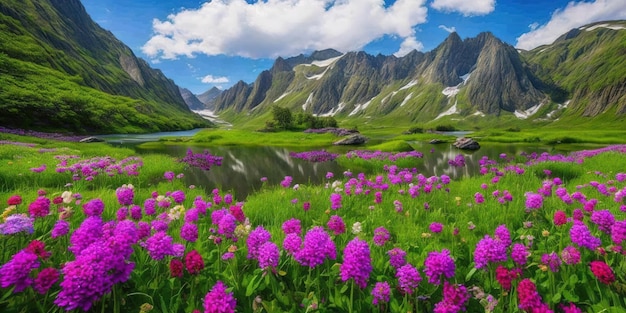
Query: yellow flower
(146,307)
(426,235)
(8,212)
(545,233)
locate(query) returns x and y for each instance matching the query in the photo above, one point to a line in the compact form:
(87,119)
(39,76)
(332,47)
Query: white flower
(356,228)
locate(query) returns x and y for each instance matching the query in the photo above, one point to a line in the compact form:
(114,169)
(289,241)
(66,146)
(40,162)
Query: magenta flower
(286,182)
(316,248)
(435,227)
(551,260)
(189,232)
(381,293)
(335,200)
(397,257)
(292,243)
(519,254)
(269,255)
(534,201)
(479,198)
(40,207)
(61,228)
(16,272)
(438,264)
(255,240)
(570,255)
(381,236)
(93,207)
(604,219)
(125,195)
(159,245)
(89,231)
(357,263)
(169,176)
(14,200)
(218,300)
(292,226)
(618,232)
(408,278)
(178,196)
(489,250)
(46,278)
(580,235)
(336,225)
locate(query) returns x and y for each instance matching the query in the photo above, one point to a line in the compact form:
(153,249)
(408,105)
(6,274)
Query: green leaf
(573,279)
(344,288)
(470,274)
(163,305)
(253,285)
(556,298)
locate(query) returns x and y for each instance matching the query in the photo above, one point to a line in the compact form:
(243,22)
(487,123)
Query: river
(243,168)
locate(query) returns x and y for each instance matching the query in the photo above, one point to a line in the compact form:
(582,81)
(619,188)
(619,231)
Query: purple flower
(125,195)
(255,240)
(570,255)
(618,232)
(16,272)
(381,293)
(519,254)
(93,207)
(335,200)
(292,243)
(580,235)
(435,227)
(122,213)
(381,236)
(269,255)
(227,225)
(135,212)
(438,264)
(61,228)
(356,262)
(408,278)
(292,226)
(150,206)
(178,196)
(604,219)
(552,261)
(489,250)
(316,248)
(286,182)
(46,278)
(336,225)
(94,272)
(479,198)
(89,231)
(455,297)
(397,257)
(159,245)
(534,201)
(503,235)
(218,300)
(17,223)
(189,232)
(169,176)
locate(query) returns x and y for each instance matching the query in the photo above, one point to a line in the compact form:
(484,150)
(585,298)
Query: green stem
(351,297)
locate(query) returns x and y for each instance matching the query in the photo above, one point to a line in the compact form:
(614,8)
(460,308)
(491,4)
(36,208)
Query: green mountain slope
(59,71)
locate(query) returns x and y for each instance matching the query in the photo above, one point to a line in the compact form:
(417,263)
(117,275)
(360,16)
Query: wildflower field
(88,227)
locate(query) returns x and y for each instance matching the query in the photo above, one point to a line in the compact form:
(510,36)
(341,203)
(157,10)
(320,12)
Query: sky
(205,44)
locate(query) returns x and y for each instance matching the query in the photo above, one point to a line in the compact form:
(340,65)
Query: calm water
(243,167)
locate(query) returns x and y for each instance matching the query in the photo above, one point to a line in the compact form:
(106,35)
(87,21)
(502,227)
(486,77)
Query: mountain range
(59,70)
(582,75)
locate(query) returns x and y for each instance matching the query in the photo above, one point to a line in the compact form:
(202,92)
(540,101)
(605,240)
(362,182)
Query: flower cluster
(357,263)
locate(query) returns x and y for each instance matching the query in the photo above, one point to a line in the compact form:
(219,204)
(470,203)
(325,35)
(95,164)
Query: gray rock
(352,140)
(91,139)
(436,141)
(466,144)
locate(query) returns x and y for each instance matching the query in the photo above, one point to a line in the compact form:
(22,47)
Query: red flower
(176,268)
(14,200)
(38,248)
(602,271)
(560,218)
(194,262)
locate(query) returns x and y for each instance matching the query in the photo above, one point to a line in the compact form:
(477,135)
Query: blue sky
(201,44)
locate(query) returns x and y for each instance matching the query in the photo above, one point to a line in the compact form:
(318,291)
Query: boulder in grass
(466,143)
(91,139)
(356,139)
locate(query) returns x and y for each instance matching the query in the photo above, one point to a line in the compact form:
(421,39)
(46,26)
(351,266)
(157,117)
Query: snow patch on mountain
(211,116)
(450,111)
(453,90)
(334,111)
(409,85)
(308,101)
(406,99)
(361,107)
(527,113)
(281,96)
(606,25)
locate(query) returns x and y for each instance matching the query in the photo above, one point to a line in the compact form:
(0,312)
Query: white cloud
(451,29)
(575,14)
(209,79)
(409,44)
(465,7)
(267,29)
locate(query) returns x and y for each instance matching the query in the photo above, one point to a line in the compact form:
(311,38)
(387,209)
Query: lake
(243,167)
